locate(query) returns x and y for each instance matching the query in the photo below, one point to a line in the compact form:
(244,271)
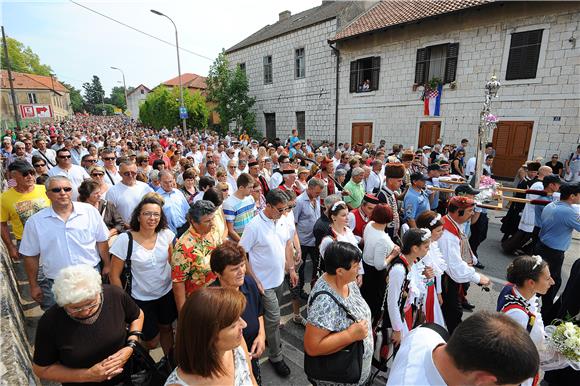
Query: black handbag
(344,366)
(126,276)
(141,369)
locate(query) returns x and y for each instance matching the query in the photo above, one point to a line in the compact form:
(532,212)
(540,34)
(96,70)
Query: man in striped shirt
(240,207)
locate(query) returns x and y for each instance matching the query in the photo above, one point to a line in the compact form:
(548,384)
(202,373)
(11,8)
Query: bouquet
(564,341)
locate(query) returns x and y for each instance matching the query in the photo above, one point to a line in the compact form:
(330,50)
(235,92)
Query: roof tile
(31,82)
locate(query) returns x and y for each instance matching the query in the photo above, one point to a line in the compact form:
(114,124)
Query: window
(364,74)
(301,124)
(270,125)
(299,63)
(142,91)
(524,55)
(32,98)
(268,69)
(436,62)
(242,67)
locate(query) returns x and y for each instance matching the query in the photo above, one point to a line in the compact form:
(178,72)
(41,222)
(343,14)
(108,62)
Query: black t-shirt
(80,346)
(556,169)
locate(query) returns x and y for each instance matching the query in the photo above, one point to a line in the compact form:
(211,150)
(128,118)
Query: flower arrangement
(565,339)
(486,182)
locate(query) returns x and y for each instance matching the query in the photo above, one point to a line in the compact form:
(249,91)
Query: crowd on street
(134,238)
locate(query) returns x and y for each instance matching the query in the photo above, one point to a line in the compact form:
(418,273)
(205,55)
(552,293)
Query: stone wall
(483,36)
(15,357)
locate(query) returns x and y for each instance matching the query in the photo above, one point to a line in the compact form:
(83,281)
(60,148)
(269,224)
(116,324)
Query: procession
(264,252)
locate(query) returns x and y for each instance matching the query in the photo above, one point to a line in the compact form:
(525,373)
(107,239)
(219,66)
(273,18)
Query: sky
(78,43)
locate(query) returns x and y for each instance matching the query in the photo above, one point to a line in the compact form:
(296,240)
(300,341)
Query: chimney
(284,15)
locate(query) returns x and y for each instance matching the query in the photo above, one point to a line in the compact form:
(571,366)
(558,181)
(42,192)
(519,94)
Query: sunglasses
(58,190)
(109,158)
(97,174)
(28,173)
(225,190)
(64,156)
(39,165)
(91,160)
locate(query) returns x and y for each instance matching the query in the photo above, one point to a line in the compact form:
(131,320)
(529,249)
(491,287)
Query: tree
(228,88)
(23,59)
(76,99)
(117,98)
(94,95)
(161,109)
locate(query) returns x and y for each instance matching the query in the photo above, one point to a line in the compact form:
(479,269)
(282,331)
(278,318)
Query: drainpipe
(337,53)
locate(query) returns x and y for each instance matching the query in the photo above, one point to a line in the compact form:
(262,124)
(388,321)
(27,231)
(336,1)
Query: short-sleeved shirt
(76,175)
(558,221)
(17,207)
(306,215)
(64,243)
(265,242)
(175,208)
(414,204)
(326,314)
(126,198)
(357,192)
(239,212)
(150,270)
(190,260)
(60,339)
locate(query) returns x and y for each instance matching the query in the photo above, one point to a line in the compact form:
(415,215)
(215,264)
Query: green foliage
(106,107)
(228,88)
(161,109)
(117,98)
(94,95)
(434,83)
(76,99)
(23,59)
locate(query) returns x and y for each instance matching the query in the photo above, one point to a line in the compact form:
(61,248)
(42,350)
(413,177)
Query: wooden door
(270,125)
(511,141)
(429,133)
(362,132)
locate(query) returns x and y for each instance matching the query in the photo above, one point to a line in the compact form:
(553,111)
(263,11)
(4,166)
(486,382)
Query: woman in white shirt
(340,231)
(378,252)
(528,276)
(151,286)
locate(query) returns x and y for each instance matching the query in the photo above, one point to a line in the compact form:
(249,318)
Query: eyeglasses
(225,190)
(97,174)
(87,307)
(151,214)
(39,165)
(130,174)
(58,190)
(280,210)
(554,157)
(290,207)
(109,158)
(64,156)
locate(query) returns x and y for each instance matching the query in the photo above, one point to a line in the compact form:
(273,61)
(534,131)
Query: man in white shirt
(46,154)
(375,181)
(454,245)
(64,234)
(112,176)
(232,174)
(77,151)
(175,204)
(486,349)
(127,194)
(266,240)
(470,168)
(76,174)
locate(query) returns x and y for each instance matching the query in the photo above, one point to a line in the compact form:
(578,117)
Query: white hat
(426,147)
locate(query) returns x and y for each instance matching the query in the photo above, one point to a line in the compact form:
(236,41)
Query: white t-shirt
(413,364)
(150,269)
(378,245)
(126,198)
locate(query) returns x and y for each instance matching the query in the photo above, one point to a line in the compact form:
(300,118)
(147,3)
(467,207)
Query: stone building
(291,70)
(37,98)
(135,98)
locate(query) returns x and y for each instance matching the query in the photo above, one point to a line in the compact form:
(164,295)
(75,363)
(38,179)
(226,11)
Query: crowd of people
(187,241)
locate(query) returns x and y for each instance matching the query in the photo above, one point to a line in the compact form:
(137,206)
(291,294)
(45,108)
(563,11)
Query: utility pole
(12,93)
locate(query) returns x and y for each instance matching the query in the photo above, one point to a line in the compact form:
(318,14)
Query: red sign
(35,111)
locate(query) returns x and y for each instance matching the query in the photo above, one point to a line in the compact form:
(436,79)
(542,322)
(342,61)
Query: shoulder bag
(344,366)
(126,276)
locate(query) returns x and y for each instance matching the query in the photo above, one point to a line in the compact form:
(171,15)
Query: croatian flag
(432,102)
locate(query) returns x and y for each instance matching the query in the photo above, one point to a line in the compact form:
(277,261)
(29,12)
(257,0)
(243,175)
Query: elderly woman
(228,262)
(190,262)
(90,192)
(328,327)
(211,323)
(83,338)
(150,270)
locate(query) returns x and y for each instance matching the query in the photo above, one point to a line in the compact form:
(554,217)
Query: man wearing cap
(416,200)
(558,220)
(19,203)
(358,218)
(288,179)
(511,220)
(455,249)
(355,188)
(394,173)
(426,160)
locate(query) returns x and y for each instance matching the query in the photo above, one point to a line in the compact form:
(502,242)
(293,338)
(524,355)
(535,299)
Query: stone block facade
(551,100)
(313,94)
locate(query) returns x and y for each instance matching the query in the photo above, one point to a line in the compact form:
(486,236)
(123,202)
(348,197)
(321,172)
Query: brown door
(429,132)
(511,141)
(362,132)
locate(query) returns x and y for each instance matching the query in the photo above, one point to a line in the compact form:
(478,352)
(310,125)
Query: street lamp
(182,111)
(124,87)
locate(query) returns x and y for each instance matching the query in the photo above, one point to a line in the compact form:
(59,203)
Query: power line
(140,31)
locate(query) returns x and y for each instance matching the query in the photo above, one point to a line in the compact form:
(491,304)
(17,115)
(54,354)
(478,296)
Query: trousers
(555,259)
(451,307)
(271,303)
